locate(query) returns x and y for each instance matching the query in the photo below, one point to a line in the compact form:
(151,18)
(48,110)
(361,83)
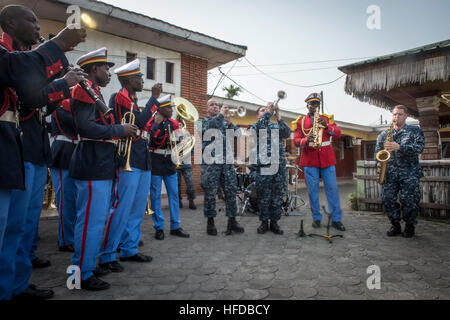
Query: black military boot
(264,227)
(229,230)
(181,204)
(275,228)
(409,231)
(235,226)
(192,205)
(395,230)
(211,228)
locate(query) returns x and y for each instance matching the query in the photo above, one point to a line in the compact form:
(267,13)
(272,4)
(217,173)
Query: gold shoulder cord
(303,128)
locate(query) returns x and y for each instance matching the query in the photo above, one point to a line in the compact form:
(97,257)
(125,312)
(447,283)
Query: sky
(289,40)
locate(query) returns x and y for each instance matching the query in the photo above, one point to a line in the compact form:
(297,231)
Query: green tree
(232,91)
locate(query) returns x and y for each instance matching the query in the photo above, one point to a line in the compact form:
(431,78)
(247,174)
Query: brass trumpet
(124,147)
(240,112)
(281,96)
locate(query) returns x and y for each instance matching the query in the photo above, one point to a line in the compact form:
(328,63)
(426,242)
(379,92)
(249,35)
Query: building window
(131,56)
(151,68)
(169,72)
(445,149)
(369,151)
(341,150)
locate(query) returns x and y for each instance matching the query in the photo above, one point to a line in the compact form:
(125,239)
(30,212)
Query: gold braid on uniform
(303,128)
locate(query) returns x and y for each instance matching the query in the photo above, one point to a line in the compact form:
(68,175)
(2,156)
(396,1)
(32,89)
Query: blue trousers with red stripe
(21,232)
(65,195)
(92,204)
(5,198)
(124,222)
(312,177)
(171,183)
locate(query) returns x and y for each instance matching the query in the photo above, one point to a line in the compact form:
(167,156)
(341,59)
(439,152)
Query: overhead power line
(280,72)
(304,62)
(226,76)
(293,84)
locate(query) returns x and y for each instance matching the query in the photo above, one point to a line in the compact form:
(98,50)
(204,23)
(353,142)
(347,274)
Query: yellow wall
(250,118)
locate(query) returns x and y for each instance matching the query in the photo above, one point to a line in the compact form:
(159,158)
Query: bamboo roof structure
(401,77)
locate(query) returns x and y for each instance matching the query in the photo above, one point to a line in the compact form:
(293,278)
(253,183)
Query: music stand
(301,233)
(327,236)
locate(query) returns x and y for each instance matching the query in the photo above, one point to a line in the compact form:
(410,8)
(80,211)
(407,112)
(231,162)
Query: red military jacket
(323,157)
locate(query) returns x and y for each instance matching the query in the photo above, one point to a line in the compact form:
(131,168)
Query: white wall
(117,48)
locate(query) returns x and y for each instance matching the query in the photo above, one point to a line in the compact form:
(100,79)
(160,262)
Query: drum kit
(247,196)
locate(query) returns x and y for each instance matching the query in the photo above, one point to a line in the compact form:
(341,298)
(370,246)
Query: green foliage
(232,91)
(353,201)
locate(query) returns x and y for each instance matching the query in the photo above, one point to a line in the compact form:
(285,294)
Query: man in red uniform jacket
(319,162)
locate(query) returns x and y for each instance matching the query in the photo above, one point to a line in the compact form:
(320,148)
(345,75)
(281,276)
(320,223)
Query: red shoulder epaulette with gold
(78,93)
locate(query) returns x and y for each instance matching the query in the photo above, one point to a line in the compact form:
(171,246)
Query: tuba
(124,146)
(185,111)
(383,158)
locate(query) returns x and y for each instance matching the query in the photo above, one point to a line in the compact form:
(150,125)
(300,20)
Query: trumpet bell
(240,112)
(282,95)
(185,109)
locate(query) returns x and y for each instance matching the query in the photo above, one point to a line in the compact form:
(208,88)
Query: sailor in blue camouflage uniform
(271,185)
(185,171)
(219,173)
(93,166)
(125,219)
(65,140)
(403,173)
(212,110)
(28,74)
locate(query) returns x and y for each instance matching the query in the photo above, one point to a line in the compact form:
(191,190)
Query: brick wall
(194,87)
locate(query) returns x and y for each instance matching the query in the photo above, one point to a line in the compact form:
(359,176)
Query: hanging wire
(293,84)
(222,77)
(254,95)
(304,62)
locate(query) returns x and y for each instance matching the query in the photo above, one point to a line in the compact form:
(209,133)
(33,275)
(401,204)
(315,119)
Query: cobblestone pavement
(251,266)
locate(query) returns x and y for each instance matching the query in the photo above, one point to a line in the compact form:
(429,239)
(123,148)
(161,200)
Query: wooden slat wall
(435,194)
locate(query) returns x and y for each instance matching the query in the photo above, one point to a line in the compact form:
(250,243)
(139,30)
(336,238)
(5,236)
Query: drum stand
(327,236)
(287,206)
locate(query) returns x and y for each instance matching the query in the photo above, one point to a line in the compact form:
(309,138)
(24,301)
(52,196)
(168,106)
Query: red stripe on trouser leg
(116,187)
(86,220)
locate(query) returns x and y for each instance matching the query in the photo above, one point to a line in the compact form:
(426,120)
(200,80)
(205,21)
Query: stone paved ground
(252,266)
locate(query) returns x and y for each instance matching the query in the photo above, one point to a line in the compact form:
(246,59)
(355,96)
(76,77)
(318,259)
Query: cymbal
(291,158)
(290,167)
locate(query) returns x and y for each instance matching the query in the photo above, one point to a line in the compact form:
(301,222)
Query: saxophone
(317,131)
(383,158)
